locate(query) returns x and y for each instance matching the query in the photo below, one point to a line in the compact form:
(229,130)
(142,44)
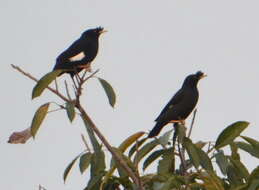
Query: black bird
(181,104)
(86,44)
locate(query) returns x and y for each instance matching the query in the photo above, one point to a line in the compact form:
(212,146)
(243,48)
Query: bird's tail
(156,130)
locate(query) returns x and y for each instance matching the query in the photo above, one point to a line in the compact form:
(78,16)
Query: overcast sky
(150,48)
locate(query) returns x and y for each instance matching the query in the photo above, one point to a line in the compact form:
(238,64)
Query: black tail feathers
(156,130)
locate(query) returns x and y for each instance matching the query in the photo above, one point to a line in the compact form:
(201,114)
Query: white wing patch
(78,57)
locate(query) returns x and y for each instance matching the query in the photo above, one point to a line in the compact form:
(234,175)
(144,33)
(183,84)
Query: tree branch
(116,156)
(36,80)
(193,119)
(136,179)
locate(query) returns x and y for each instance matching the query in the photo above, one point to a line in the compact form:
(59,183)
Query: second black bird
(181,104)
(87,44)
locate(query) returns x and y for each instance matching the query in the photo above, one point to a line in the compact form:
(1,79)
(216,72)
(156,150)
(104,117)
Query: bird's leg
(74,82)
(182,121)
(87,67)
(56,85)
(72,76)
(78,78)
(83,76)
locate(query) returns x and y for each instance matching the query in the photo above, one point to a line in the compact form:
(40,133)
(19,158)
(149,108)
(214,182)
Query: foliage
(188,165)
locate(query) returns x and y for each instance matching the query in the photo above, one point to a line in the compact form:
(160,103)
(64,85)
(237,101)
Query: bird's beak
(203,76)
(103,31)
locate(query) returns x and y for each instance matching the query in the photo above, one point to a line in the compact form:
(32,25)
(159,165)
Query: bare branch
(56,85)
(36,80)
(193,119)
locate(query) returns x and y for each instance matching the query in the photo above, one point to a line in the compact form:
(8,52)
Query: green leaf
(84,162)
(91,135)
(97,163)
(222,162)
(44,83)
(254,174)
(234,176)
(122,148)
(95,182)
(192,152)
(152,157)
(70,108)
(254,185)
(230,133)
(131,139)
(197,155)
(166,164)
(121,170)
(171,183)
(251,141)
(234,151)
(38,118)
(253,181)
(211,181)
(67,170)
(97,170)
(205,161)
(136,146)
(181,130)
(248,148)
(200,144)
(240,168)
(109,91)
(145,150)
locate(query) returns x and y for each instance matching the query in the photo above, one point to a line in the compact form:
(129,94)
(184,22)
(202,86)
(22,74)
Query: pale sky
(150,48)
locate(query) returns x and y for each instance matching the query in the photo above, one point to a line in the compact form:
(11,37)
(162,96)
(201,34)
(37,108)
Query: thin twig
(36,80)
(193,119)
(78,80)
(56,85)
(90,76)
(85,71)
(60,106)
(55,110)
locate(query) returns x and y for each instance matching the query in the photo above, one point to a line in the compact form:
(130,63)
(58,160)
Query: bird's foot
(87,67)
(181,121)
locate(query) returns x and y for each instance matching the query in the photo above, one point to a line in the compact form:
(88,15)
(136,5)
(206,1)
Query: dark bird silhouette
(181,104)
(87,45)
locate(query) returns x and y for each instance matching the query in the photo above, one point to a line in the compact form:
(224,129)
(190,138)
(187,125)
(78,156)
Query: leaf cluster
(184,165)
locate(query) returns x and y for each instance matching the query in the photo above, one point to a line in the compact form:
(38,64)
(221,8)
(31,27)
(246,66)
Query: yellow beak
(103,31)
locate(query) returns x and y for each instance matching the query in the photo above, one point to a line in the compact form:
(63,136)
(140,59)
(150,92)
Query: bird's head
(95,32)
(193,79)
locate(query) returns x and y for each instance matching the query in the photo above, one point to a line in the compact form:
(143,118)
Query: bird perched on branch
(86,45)
(181,104)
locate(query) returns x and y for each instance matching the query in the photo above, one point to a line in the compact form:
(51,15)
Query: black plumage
(87,44)
(181,104)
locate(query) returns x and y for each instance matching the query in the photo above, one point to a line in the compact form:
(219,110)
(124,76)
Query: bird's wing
(174,100)
(73,50)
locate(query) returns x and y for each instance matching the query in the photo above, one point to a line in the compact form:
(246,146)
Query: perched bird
(181,104)
(87,45)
